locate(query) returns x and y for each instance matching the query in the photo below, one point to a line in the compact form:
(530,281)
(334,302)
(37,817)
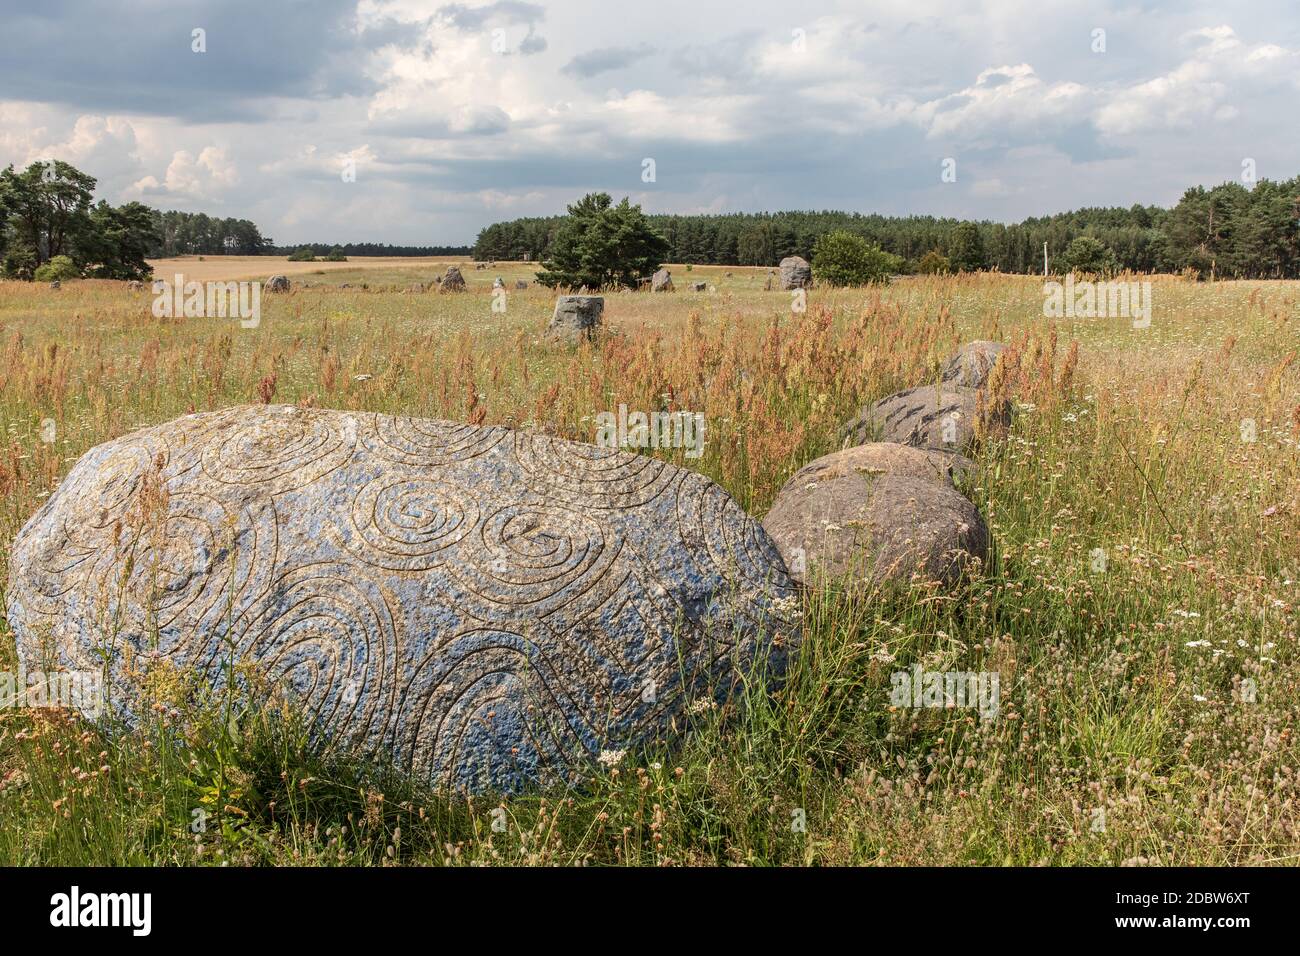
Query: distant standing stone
(521,284)
(698,286)
(576,317)
(453,281)
(795,273)
(276,284)
(498,283)
(135,285)
(661,281)
(56,285)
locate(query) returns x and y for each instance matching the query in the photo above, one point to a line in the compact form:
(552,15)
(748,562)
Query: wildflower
(611,758)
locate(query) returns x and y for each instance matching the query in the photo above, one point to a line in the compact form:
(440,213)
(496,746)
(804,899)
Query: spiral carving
(490,609)
(287,449)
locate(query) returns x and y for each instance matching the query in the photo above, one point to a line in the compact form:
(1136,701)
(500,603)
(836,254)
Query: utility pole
(1044,260)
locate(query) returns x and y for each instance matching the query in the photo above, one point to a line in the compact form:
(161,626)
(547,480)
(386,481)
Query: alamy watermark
(1085,299)
(624,429)
(946,689)
(75,690)
(176,298)
(133,911)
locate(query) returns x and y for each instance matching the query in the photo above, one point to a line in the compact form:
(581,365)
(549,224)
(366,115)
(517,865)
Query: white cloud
(206,176)
(447,134)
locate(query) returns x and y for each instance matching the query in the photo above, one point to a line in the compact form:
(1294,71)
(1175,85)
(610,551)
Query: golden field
(1125,733)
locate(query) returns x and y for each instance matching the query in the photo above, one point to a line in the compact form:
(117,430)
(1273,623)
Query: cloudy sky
(455,115)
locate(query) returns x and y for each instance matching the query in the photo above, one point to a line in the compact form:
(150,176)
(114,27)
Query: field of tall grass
(1149,700)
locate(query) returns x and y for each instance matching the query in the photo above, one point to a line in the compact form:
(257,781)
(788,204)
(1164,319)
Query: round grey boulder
(276,284)
(488,609)
(521,284)
(925,417)
(875,513)
(971,366)
(576,317)
(795,273)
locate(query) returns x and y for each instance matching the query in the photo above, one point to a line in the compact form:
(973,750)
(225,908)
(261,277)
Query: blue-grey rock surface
(576,317)
(971,365)
(942,418)
(490,608)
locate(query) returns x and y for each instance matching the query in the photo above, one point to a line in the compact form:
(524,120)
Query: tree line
(1228,231)
(323,249)
(51,228)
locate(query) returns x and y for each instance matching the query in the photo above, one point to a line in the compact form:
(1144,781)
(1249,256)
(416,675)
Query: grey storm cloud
(508,11)
(608,58)
(726,58)
(460,132)
(391,31)
(95,55)
(513,12)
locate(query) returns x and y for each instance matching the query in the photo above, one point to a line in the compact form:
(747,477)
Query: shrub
(302,255)
(934,263)
(842,258)
(600,244)
(336,255)
(1088,255)
(58,269)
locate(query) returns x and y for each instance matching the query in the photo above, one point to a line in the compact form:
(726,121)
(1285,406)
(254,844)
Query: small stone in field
(276,284)
(942,418)
(971,366)
(795,273)
(576,317)
(875,513)
(453,281)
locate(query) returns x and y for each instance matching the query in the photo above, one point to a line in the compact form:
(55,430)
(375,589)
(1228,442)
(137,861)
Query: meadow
(1149,700)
